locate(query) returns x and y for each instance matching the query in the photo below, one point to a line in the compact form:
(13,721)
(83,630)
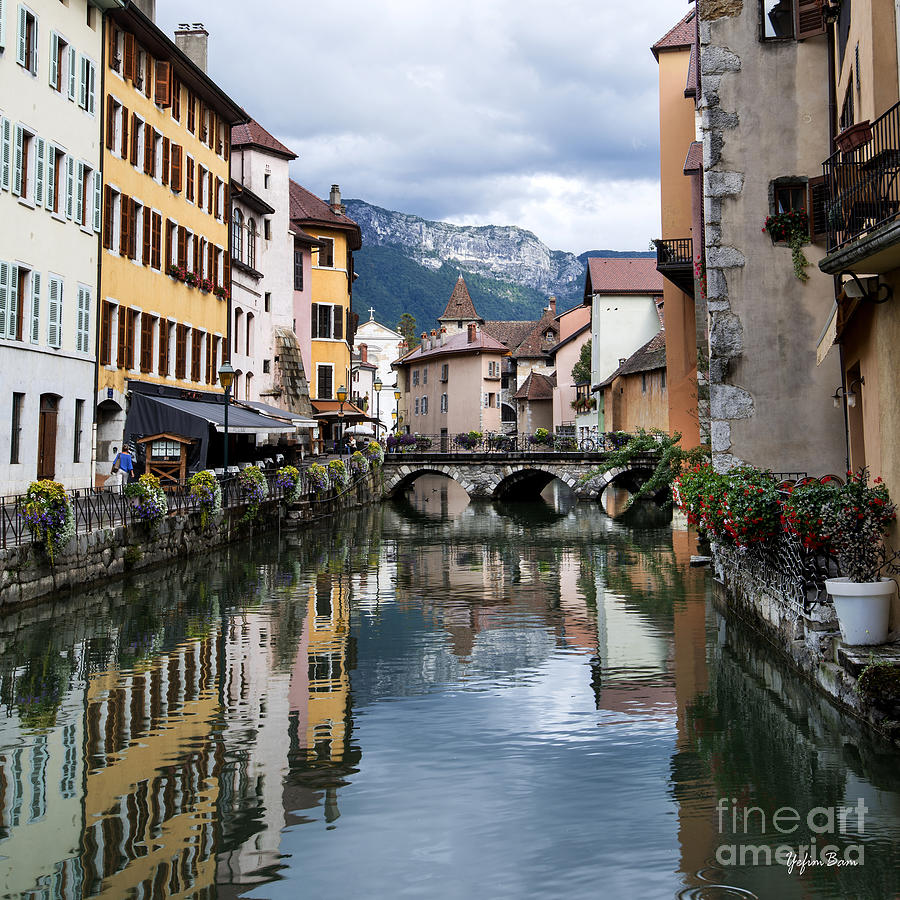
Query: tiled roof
(253,134)
(456,343)
(679,37)
(511,333)
(535,343)
(307,208)
(460,305)
(645,359)
(693,162)
(691,84)
(572,337)
(536,387)
(623,275)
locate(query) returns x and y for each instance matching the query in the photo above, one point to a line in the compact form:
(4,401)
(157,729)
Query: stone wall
(97,556)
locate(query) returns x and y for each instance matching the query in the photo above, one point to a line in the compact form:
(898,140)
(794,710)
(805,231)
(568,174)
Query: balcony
(862,202)
(675,261)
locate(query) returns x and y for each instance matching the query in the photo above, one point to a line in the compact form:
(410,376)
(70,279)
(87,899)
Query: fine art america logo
(828,828)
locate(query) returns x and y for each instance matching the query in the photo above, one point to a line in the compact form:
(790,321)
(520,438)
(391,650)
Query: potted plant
(855,520)
(854,136)
(792,228)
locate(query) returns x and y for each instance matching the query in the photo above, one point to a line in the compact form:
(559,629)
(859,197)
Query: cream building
(382,348)
(50,210)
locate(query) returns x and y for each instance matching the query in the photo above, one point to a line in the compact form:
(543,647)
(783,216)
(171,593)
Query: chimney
(443,335)
(363,353)
(193,41)
(148,8)
(552,305)
(472,329)
(334,200)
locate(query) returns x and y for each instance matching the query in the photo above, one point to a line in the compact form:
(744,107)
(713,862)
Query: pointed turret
(460,311)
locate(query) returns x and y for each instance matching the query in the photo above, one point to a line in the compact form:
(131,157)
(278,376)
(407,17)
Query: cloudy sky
(506,112)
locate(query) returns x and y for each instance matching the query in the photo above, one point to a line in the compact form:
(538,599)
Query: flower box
(854,136)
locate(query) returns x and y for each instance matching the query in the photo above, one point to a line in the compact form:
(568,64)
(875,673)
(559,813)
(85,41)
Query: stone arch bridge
(512,476)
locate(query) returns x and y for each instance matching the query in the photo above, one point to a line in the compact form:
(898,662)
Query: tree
(581,371)
(407,327)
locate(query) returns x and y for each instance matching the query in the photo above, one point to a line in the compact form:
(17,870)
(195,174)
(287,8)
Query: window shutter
(70,185)
(218,193)
(4,296)
(148,149)
(54,319)
(79,320)
(79,195)
(98,199)
(338,314)
(36,305)
(107,217)
(189,179)
(135,138)
(165,160)
(809,18)
(163,83)
(815,203)
(176,170)
(132,229)
(5,126)
(39,156)
(129,56)
(113,45)
(170,228)
(314,332)
(21,42)
(125,220)
(182,245)
(226,274)
(124,146)
(17,162)
(54,60)
(92,87)
(123,328)
(51,177)
(210,193)
(12,321)
(110,123)
(145,250)
(157,227)
(82,83)
(73,58)
(176,96)
(33,62)
(2,24)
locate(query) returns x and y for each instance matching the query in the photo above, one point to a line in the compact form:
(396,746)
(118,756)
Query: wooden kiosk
(165,456)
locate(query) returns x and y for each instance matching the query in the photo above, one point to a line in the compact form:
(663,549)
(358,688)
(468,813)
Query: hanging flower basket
(854,136)
(791,228)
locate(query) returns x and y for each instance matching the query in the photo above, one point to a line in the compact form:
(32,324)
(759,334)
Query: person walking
(123,465)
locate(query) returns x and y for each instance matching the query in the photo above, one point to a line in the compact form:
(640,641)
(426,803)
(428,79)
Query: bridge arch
(398,481)
(532,478)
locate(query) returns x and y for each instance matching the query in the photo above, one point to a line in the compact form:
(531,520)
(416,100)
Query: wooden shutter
(123,327)
(165,160)
(113,46)
(129,338)
(210,193)
(132,229)
(176,168)
(170,227)
(110,123)
(182,246)
(135,138)
(125,221)
(816,206)
(123,149)
(145,250)
(338,317)
(226,275)
(180,350)
(189,179)
(314,321)
(210,260)
(176,98)
(107,217)
(156,228)
(148,150)
(191,120)
(129,56)
(809,18)
(216,203)
(163,83)
(105,332)
(146,342)
(163,347)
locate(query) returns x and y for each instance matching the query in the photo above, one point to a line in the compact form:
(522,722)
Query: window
(327,321)
(847,113)
(324,382)
(83,317)
(237,235)
(27,37)
(425,375)
(789,19)
(777,19)
(147,327)
(267,232)
(326,254)
(445,373)
(87,88)
(249,343)
(15,433)
(266,179)
(267,301)
(416,406)
(16,286)
(166,336)
(298,266)
(415,377)
(251,243)
(643,382)
(164,449)
(59,56)
(79,420)
(662,379)
(424,406)
(189,179)
(267,365)
(443,403)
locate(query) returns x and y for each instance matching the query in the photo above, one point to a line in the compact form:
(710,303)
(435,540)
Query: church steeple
(460,310)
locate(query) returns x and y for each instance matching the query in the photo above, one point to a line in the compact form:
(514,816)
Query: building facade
(636,395)
(165,273)
(50,209)
(574,333)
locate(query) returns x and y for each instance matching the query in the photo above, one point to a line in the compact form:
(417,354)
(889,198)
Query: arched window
(237,235)
(236,337)
(248,390)
(251,243)
(250,320)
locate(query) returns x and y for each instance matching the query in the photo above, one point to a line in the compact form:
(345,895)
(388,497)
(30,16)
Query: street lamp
(377,386)
(342,397)
(226,379)
(397,414)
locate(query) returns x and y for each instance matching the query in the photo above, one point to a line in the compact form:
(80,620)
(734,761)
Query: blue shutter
(17,161)
(73,78)
(35,307)
(12,311)
(70,185)
(39,153)
(54,60)
(4,153)
(21,44)
(4,296)
(98,201)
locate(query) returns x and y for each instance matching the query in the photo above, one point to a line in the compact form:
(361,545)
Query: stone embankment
(27,573)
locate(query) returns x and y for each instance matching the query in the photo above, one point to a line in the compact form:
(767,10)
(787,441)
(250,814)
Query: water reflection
(438,697)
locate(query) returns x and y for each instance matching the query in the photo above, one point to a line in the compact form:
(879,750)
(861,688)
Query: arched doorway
(47,436)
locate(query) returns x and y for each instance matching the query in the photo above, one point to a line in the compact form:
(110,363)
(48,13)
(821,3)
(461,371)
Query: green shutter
(17,162)
(70,185)
(4,153)
(12,311)
(54,318)
(36,307)
(4,296)
(21,44)
(79,195)
(51,176)
(98,200)
(73,78)
(39,153)
(54,60)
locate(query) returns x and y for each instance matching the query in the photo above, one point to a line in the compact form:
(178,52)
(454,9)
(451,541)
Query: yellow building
(331,315)
(165,271)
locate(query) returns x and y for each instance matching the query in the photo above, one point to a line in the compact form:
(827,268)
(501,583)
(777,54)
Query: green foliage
(254,489)
(338,473)
(148,500)
(49,515)
(407,327)
(581,371)
(206,491)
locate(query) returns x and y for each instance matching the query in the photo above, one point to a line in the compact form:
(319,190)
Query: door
(47,436)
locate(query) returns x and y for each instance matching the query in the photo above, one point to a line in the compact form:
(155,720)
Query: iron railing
(674,252)
(862,186)
(506,443)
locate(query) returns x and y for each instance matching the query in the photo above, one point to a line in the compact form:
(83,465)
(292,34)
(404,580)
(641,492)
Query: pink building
(574,333)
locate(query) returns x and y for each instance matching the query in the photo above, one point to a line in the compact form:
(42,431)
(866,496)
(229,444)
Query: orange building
(636,395)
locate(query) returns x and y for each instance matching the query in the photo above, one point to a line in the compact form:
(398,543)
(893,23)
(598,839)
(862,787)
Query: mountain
(410,264)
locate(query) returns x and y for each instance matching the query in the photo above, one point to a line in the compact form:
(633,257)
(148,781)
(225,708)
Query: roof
(254,201)
(307,208)
(622,275)
(240,420)
(566,341)
(460,305)
(535,343)
(693,162)
(692,84)
(645,359)
(270,410)
(679,37)
(511,333)
(457,343)
(536,387)
(252,134)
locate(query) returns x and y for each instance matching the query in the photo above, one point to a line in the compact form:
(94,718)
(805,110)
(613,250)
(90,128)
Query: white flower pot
(863,608)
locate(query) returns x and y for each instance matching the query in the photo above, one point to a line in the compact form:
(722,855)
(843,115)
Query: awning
(298,420)
(330,410)
(828,336)
(240,420)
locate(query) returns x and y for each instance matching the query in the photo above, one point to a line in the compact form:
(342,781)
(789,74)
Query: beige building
(574,333)
(636,394)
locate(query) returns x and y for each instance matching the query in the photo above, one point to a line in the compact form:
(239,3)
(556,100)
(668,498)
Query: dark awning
(240,420)
(298,420)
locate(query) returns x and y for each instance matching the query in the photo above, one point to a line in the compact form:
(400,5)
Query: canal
(432,698)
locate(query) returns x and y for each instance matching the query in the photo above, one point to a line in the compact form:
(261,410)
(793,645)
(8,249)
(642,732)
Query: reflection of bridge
(508,476)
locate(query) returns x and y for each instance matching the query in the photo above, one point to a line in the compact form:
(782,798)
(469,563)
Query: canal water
(433,698)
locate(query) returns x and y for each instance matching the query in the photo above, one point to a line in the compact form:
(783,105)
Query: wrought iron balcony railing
(862,185)
(675,261)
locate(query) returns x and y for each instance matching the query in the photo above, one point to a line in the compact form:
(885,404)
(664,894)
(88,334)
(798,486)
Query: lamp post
(397,414)
(226,379)
(377,386)
(342,397)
